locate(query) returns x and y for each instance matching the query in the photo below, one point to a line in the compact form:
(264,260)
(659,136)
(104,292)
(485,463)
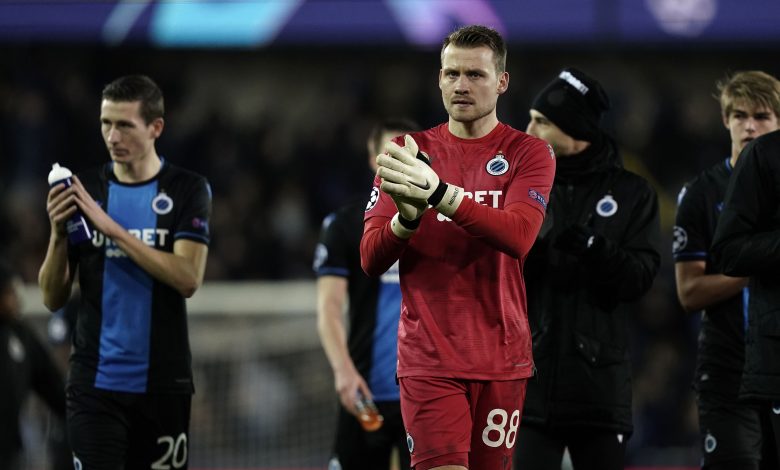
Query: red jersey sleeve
(514,228)
(379,247)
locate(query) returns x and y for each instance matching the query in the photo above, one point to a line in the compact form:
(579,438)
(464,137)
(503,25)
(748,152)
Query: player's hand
(350,384)
(405,175)
(60,205)
(579,240)
(92,211)
(408,208)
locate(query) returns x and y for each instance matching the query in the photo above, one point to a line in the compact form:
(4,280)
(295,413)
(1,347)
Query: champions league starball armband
(76,225)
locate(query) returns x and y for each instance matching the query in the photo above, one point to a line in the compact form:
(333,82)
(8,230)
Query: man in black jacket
(597,252)
(25,366)
(747,243)
(735,435)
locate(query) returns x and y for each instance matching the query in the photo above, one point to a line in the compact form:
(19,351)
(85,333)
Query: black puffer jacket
(747,243)
(578,306)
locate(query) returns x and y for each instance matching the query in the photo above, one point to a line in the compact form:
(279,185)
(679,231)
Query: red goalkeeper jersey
(463,313)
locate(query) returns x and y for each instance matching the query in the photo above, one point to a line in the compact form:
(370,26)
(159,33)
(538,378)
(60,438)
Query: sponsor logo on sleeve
(538,197)
(201,224)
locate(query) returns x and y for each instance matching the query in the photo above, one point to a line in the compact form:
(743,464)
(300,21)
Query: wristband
(398,229)
(438,194)
(409,224)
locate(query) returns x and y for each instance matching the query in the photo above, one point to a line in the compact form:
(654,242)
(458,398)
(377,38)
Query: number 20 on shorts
(497,421)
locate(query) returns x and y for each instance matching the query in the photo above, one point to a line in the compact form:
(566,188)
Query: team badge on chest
(607,206)
(162,204)
(497,165)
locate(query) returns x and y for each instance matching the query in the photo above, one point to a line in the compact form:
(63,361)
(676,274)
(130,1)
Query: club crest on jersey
(162,203)
(373,199)
(607,206)
(710,443)
(497,165)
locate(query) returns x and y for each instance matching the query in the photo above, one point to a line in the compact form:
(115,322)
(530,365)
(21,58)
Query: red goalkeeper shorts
(472,423)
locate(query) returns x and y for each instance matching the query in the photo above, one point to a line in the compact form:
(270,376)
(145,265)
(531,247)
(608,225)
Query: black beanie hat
(574,102)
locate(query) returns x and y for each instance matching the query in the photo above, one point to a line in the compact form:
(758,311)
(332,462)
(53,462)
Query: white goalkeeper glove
(406,173)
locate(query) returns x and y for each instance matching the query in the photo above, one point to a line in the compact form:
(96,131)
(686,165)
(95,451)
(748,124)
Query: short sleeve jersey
(464,306)
(131,330)
(721,341)
(374,303)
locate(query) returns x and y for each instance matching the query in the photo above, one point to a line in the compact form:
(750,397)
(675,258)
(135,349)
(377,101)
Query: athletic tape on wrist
(438,194)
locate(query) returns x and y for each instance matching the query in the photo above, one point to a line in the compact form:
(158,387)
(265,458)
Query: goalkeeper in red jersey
(459,206)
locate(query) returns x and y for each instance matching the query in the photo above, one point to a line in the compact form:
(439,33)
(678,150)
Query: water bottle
(78,230)
(368,414)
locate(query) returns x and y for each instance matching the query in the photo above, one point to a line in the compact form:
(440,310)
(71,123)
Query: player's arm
(183,269)
(697,290)
(331,302)
(747,239)
(385,236)
(511,230)
(55,278)
(380,246)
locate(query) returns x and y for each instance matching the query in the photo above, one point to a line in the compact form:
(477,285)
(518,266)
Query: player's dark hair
(400,125)
(137,88)
(753,87)
(476,36)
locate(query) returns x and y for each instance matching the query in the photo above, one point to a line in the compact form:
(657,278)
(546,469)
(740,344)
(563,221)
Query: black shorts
(730,430)
(115,430)
(356,449)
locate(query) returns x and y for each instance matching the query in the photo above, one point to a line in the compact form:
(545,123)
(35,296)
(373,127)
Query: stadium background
(272,101)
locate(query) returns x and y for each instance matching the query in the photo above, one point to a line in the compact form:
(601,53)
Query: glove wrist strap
(409,224)
(438,194)
(398,229)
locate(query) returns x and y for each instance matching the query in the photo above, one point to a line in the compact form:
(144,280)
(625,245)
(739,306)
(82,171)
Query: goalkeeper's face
(469,82)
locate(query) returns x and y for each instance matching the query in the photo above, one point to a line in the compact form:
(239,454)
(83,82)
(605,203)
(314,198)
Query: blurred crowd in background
(281,136)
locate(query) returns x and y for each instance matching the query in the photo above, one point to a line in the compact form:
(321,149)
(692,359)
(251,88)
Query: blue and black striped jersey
(131,332)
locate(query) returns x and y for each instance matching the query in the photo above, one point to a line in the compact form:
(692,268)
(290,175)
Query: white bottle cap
(58,173)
